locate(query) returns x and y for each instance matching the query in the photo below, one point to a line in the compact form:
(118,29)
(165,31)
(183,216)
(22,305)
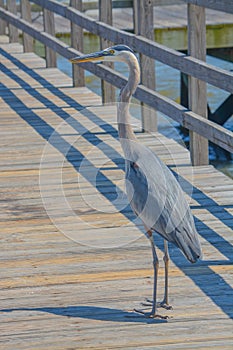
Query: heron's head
(112,54)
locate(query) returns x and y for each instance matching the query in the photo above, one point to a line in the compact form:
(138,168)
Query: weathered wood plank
(129,3)
(197,93)
(13,31)
(144,25)
(2,22)
(49,27)
(105,16)
(77,43)
(26,14)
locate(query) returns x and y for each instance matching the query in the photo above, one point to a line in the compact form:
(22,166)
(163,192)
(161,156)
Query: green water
(217,36)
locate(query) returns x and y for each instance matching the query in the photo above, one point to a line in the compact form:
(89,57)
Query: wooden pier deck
(71,276)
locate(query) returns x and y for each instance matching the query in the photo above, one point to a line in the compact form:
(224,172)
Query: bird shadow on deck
(74,156)
(92,313)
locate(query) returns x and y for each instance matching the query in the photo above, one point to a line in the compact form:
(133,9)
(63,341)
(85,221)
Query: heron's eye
(111,52)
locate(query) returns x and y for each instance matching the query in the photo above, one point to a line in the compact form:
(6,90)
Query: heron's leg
(164,303)
(156,269)
(153,312)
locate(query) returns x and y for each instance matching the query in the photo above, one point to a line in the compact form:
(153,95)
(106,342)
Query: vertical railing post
(2,23)
(144,25)
(197,88)
(26,14)
(13,31)
(77,43)
(49,27)
(105,15)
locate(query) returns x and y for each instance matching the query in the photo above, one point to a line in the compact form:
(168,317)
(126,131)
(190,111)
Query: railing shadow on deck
(45,131)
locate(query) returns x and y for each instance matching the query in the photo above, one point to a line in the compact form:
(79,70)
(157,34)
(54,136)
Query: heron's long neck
(123,117)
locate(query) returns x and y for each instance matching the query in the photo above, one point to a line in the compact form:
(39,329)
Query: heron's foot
(151,314)
(162,304)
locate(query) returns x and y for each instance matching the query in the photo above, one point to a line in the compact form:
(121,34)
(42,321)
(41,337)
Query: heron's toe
(151,314)
(164,305)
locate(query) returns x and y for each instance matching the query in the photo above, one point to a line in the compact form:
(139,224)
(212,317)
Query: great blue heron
(153,191)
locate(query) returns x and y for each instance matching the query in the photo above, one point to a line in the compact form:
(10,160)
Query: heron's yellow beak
(96,56)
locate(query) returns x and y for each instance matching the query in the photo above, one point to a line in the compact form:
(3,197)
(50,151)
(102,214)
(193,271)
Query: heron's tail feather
(189,244)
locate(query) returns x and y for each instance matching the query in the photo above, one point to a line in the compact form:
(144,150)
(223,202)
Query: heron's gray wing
(146,185)
(157,198)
